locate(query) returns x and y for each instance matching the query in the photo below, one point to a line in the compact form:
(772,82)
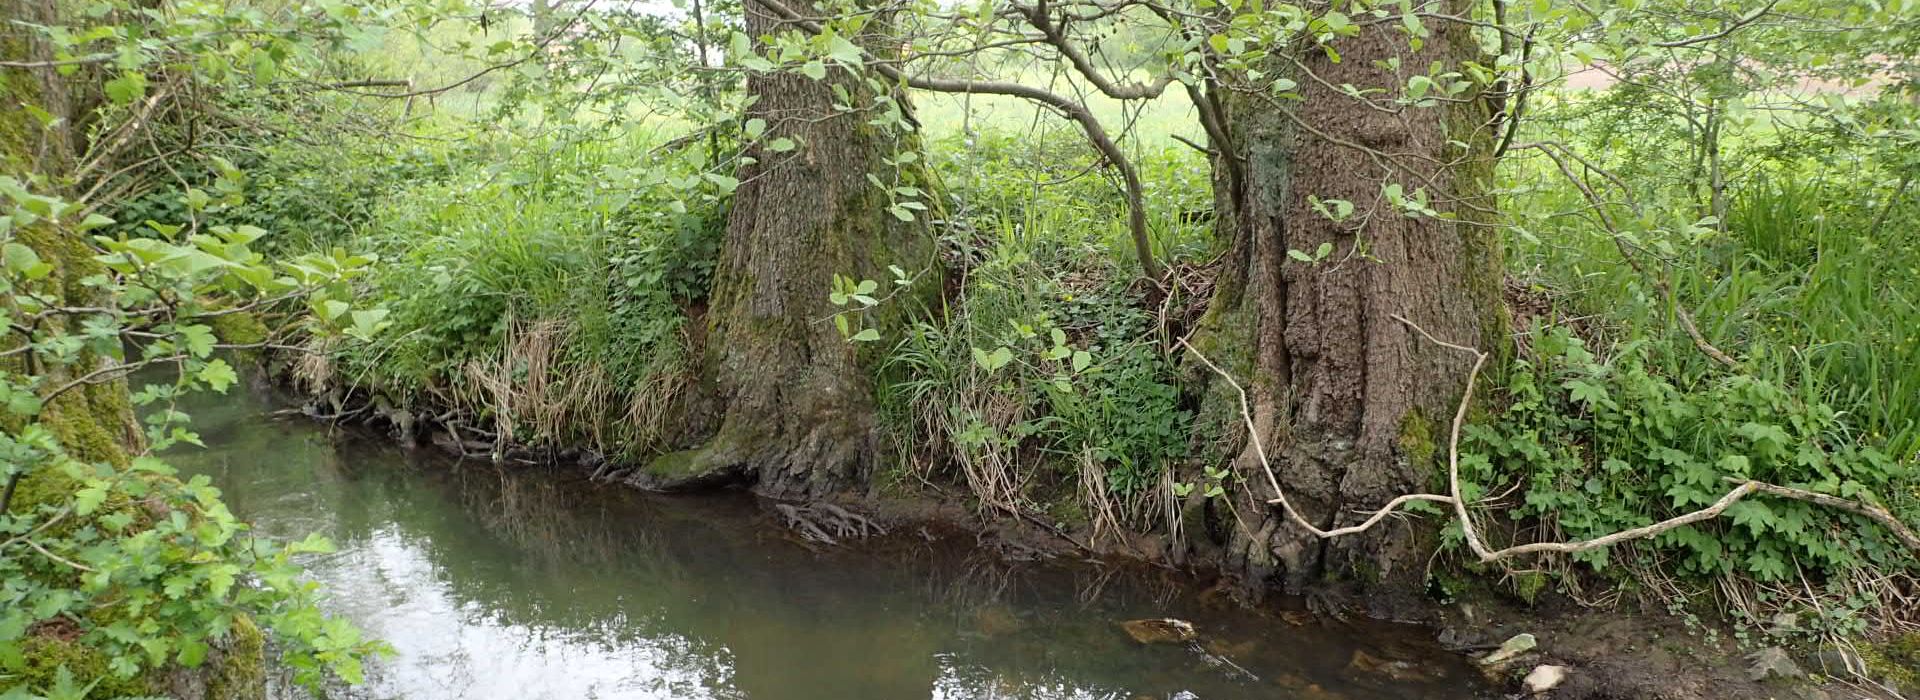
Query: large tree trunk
(1348,400)
(790,404)
(94,423)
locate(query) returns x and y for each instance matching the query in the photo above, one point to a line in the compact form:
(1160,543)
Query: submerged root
(826,523)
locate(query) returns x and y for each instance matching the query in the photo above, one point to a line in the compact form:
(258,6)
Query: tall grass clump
(1615,419)
(545,292)
(1043,383)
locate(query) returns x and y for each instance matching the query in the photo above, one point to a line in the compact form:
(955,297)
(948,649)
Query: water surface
(525,583)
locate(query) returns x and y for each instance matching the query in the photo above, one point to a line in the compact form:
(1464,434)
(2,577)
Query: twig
(1680,311)
(50,555)
(1749,18)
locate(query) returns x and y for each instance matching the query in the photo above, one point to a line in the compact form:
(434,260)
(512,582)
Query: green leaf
(993,361)
(192,653)
(87,500)
(843,51)
(814,69)
(866,336)
(331,309)
(1588,393)
(1754,515)
(21,260)
(198,339)
(129,86)
(218,375)
(367,322)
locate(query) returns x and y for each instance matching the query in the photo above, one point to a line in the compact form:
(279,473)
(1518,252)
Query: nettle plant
(102,546)
(1603,446)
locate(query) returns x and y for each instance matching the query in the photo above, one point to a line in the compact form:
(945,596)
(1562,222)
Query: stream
(522,582)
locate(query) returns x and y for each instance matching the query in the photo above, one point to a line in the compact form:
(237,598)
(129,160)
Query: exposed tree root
(826,523)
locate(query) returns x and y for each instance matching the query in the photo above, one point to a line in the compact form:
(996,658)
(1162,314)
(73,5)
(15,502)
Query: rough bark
(94,423)
(1346,398)
(789,399)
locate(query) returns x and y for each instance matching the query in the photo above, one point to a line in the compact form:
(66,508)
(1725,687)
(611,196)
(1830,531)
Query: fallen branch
(1279,494)
(1486,554)
(1742,489)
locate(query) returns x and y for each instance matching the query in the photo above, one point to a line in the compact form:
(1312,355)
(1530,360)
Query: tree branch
(1743,21)
(1096,133)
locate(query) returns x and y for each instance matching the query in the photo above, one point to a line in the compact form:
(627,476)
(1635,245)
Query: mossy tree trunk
(94,423)
(789,399)
(1348,400)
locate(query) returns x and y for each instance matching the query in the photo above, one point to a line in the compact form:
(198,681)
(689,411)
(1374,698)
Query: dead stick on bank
(1480,549)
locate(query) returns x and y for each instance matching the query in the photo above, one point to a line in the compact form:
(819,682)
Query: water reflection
(516,583)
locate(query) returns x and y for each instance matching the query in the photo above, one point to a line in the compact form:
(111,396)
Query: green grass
(1800,292)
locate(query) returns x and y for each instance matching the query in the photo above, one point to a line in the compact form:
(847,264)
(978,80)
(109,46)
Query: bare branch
(1078,112)
(1681,313)
(1743,489)
(1481,550)
(1743,21)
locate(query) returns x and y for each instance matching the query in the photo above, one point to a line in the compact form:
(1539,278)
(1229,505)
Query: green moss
(1528,585)
(238,328)
(42,487)
(242,673)
(92,423)
(1066,509)
(1416,440)
(1364,570)
(1896,660)
(1226,338)
(43,656)
(709,462)
(16,88)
